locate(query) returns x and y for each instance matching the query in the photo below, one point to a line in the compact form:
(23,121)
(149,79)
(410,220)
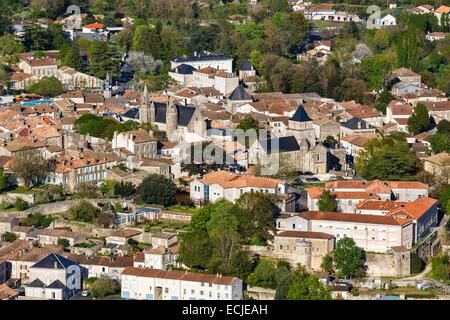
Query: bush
(37,220)
(5,205)
(84,212)
(9,237)
(417,264)
(20,204)
(104,287)
(63,242)
(157,189)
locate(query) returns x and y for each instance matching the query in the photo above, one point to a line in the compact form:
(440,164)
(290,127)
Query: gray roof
(36,283)
(280,145)
(184,69)
(246,66)
(202,58)
(133,113)
(300,115)
(56,285)
(239,94)
(54,261)
(356,124)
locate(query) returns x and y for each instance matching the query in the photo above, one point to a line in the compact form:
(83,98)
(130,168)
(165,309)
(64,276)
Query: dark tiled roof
(239,94)
(202,58)
(56,285)
(356,123)
(184,69)
(52,260)
(36,283)
(300,115)
(133,113)
(246,66)
(185,113)
(285,144)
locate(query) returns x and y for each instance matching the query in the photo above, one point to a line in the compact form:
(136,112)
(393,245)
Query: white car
(85,293)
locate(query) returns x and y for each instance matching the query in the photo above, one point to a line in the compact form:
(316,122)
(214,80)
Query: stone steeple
(147,108)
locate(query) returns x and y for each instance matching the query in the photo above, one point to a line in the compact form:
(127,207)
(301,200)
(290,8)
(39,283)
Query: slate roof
(202,58)
(183,69)
(352,124)
(285,144)
(300,115)
(185,113)
(52,260)
(56,285)
(133,113)
(36,283)
(246,66)
(239,94)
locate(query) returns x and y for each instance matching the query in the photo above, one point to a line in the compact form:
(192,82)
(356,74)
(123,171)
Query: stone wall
(261,293)
(388,264)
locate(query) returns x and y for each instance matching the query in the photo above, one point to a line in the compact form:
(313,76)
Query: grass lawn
(181,208)
(411,292)
(160,225)
(23,190)
(305,185)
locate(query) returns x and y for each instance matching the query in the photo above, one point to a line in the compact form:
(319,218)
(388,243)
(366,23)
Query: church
(182,123)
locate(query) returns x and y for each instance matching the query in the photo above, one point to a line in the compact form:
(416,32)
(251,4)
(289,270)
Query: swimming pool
(35,103)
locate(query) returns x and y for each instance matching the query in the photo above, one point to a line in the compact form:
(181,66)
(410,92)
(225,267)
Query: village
(206,175)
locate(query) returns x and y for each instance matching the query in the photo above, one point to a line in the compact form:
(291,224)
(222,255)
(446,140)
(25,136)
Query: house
(222,81)
(230,186)
(220,62)
(93,28)
(23,147)
(385,190)
(154,284)
(386,19)
(370,232)
(442,13)
(183,74)
(355,126)
(20,264)
(122,236)
(405,75)
(435,36)
(325,128)
(45,66)
(303,247)
(73,79)
(21,81)
(7,223)
(345,201)
(159,258)
(55,277)
(439,110)
(52,236)
(246,70)
(238,97)
(165,240)
(98,266)
(70,171)
(137,144)
(354,144)
(438,164)
(397,110)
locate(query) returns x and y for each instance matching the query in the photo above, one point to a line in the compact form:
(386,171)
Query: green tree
(440,142)
(417,264)
(147,40)
(157,189)
(263,275)
(32,171)
(104,60)
(3,180)
(444,198)
(195,249)
(9,45)
(381,39)
(388,158)
(20,204)
(221,218)
(9,236)
(63,242)
(420,120)
(255,213)
(444,127)
(73,57)
(47,87)
(440,268)
(307,287)
(326,202)
(348,258)
(327,264)
(84,211)
(104,287)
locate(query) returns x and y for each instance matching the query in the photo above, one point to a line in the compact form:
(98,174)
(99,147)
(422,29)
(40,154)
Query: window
(201,292)
(184,291)
(192,291)
(166,290)
(202,284)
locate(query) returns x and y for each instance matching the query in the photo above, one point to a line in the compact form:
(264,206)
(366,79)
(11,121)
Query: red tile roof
(355,218)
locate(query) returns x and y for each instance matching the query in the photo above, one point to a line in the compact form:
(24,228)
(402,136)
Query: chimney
(55,265)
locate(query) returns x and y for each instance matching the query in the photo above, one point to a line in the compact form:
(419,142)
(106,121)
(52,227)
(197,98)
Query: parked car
(85,293)
(312,180)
